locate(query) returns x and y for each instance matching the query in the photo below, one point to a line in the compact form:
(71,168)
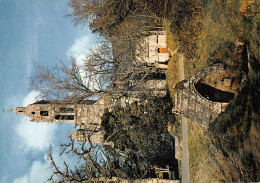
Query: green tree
(142,129)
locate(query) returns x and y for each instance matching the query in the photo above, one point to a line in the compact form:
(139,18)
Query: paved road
(185,155)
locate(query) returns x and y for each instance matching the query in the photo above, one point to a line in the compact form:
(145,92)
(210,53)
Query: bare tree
(101,15)
(77,81)
(96,164)
(113,17)
(85,11)
(102,66)
(99,60)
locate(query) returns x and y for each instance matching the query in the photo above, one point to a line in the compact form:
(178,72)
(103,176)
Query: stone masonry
(86,114)
(200,108)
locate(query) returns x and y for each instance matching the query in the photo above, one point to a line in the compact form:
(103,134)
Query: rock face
(203,96)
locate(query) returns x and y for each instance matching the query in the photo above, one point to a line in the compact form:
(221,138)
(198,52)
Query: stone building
(152,50)
(87,115)
(128,91)
(203,96)
(95,136)
(124,90)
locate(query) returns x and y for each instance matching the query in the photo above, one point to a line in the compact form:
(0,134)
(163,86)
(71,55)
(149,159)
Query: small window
(162,50)
(20,111)
(64,117)
(33,112)
(44,113)
(96,124)
(66,110)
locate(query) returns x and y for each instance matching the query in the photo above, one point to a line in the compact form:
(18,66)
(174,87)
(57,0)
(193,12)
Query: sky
(32,31)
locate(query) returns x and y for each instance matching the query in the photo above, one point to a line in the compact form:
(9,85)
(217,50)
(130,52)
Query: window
(93,124)
(162,50)
(33,112)
(44,113)
(66,110)
(64,117)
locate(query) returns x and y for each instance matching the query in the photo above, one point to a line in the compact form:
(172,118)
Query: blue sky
(32,30)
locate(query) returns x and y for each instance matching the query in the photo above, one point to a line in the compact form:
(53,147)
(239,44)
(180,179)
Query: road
(185,155)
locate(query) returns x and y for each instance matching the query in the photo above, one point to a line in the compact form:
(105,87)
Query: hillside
(206,33)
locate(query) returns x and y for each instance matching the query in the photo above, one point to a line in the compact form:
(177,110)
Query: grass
(236,133)
(171,41)
(254,36)
(207,33)
(222,25)
(172,75)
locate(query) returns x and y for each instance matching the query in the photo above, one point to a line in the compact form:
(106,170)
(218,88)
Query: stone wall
(190,103)
(148,51)
(89,116)
(88,136)
(47,111)
(222,79)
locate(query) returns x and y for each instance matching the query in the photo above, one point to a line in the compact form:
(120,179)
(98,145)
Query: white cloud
(34,136)
(31,97)
(38,173)
(78,51)
(23,179)
(79,48)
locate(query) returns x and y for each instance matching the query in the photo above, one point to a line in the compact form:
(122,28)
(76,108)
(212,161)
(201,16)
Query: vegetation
(230,145)
(145,142)
(141,143)
(139,127)
(173,72)
(236,131)
(111,18)
(142,129)
(96,163)
(76,81)
(199,147)
(101,16)
(205,32)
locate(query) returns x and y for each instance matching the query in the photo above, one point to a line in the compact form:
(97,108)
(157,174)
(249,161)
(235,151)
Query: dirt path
(185,155)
